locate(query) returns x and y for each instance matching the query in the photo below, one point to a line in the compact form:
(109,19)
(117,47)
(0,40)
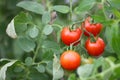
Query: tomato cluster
(70,59)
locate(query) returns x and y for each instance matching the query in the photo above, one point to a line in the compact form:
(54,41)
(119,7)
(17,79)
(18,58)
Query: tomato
(70,60)
(95,48)
(69,36)
(92,28)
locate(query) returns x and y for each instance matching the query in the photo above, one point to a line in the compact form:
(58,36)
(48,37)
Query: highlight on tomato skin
(70,60)
(70,36)
(93,28)
(95,48)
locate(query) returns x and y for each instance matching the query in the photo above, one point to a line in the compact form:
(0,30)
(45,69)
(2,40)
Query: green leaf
(51,45)
(57,70)
(35,75)
(72,77)
(108,33)
(117,13)
(4,59)
(48,29)
(18,69)
(17,51)
(115,3)
(98,62)
(115,40)
(21,21)
(98,18)
(85,70)
(109,49)
(28,61)
(18,24)
(47,55)
(11,30)
(33,32)
(26,44)
(46,18)
(23,18)
(40,68)
(116,73)
(84,6)
(4,69)
(49,67)
(31,6)
(61,8)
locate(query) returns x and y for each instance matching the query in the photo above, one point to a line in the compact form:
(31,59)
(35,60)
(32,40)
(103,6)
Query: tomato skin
(70,60)
(92,28)
(69,36)
(95,48)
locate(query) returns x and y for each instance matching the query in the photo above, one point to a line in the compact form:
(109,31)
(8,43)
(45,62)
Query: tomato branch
(70,10)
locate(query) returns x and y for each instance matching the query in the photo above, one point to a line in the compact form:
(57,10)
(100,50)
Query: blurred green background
(8,10)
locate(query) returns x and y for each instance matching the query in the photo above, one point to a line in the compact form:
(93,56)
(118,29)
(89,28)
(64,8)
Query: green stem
(91,35)
(78,39)
(38,47)
(103,9)
(59,26)
(71,46)
(36,52)
(112,68)
(110,62)
(70,10)
(105,72)
(41,62)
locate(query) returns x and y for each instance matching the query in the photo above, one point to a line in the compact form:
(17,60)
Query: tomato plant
(95,48)
(37,35)
(70,60)
(70,36)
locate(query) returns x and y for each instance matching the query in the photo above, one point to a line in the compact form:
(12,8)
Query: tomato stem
(38,47)
(77,22)
(91,35)
(35,53)
(71,46)
(103,8)
(72,27)
(57,25)
(70,10)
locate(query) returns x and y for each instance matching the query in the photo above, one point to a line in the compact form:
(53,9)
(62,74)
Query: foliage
(32,50)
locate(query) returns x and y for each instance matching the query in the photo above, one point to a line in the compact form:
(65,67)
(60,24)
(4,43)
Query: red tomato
(95,48)
(69,36)
(70,60)
(92,28)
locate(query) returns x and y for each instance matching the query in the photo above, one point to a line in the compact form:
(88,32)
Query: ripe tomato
(69,36)
(70,60)
(92,28)
(95,48)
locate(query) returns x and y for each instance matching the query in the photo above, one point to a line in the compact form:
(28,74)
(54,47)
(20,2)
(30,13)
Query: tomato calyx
(93,39)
